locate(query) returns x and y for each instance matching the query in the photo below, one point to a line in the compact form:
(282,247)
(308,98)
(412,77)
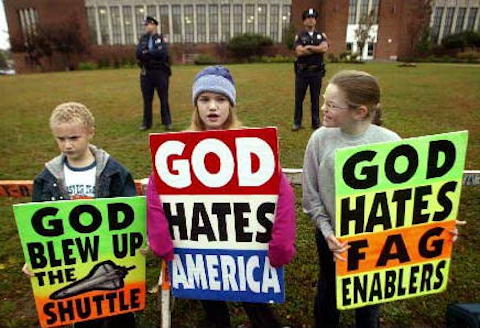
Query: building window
(460,19)
(140,20)
(250,18)
(152,11)
(274,13)
(262,19)
(225,22)
(128,24)
(352,12)
(472,17)
(375,11)
(28,22)
(116,25)
(103,22)
(177,23)
(363,9)
(164,25)
(213,23)
(92,27)
(188,17)
(370,49)
(201,24)
(448,21)
(237,19)
(437,21)
(285,20)
(349,46)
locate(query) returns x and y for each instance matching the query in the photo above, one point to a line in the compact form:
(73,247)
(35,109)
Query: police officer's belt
(309,68)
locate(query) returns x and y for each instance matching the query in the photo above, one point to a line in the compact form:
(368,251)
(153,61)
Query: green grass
(417,101)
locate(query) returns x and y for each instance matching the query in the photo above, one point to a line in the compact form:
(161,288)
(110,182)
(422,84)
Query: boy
(81,171)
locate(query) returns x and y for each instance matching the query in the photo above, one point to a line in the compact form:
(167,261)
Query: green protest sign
(85,257)
(396,204)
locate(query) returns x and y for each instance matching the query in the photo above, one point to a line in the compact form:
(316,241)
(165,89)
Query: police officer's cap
(150,20)
(310,13)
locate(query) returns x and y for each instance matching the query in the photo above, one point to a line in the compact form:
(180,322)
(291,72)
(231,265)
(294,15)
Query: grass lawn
(428,99)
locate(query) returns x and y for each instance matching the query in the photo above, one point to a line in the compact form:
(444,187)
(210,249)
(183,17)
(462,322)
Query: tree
(364,29)
(47,39)
(3,59)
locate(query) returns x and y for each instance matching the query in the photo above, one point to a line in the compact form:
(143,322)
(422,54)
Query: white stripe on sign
(220,221)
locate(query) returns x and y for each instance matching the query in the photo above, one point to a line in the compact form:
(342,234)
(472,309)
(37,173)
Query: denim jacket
(112,179)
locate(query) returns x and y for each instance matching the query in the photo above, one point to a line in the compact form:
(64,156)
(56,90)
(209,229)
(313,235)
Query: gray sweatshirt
(319,170)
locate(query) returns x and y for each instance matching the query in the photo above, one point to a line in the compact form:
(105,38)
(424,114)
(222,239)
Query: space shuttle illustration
(105,275)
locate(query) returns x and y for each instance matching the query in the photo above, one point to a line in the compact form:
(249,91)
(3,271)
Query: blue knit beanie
(214,79)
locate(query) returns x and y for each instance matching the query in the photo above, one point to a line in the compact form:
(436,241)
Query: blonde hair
(232,121)
(72,112)
(360,89)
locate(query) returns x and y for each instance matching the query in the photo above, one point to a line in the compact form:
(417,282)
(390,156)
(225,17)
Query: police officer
(152,56)
(310,46)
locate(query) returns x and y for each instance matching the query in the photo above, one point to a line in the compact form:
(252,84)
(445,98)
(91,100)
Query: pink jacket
(281,248)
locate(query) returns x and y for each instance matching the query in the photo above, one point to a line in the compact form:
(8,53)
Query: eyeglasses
(332,108)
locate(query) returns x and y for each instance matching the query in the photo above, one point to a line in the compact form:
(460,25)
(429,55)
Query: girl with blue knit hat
(214,100)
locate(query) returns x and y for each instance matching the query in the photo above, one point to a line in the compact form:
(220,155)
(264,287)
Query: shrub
(204,59)
(470,56)
(276,59)
(247,45)
(87,66)
(462,40)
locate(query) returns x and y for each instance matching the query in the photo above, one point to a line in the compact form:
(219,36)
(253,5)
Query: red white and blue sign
(219,191)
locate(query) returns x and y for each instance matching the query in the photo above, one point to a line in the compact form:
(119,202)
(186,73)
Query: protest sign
(396,204)
(219,191)
(85,257)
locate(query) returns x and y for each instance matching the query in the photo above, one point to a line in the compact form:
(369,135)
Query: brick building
(201,26)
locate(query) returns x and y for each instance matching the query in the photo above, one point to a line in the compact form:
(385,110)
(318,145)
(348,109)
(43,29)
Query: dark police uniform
(152,56)
(309,71)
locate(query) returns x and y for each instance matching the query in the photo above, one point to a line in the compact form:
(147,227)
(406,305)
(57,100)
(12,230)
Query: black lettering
(345,294)
(197,229)
(114,211)
(360,288)
(83,312)
(369,172)
(88,249)
(356,215)
(134,298)
(444,201)
(386,254)
(48,311)
(120,248)
(36,254)
(121,298)
(437,245)
(390,279)
(380,200)
(403,150)
(354,256)
(68,252)
(419,204)
(439,274)
(241,222)
(400,197)
(262,211)
(75,214)
(221,210)
(427,272)
(412,286)
(65,309)
(98,303)
(178,220)
(56,227)
(376,290)
(435,148)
